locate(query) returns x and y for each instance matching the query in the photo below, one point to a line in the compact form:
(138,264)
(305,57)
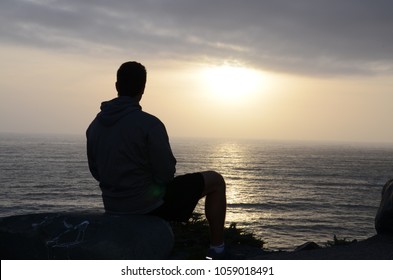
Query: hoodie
(129,154)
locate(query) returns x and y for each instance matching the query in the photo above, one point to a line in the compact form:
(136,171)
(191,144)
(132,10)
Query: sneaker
(212,255)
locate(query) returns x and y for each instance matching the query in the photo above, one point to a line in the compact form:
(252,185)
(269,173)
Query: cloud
(312,37)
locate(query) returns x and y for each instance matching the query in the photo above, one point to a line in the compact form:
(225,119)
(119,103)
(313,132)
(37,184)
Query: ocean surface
(286,193)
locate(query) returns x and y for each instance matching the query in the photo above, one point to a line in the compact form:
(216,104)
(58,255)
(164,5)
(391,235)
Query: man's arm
(161,157)
(90,159)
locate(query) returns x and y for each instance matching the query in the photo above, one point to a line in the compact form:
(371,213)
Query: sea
(285,193)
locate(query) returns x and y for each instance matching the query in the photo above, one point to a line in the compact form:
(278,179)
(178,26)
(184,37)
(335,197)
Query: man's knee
(214,181)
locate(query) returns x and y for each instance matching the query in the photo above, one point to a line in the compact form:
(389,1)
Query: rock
(384,217)
(84,236)
(378,247)
(307,246)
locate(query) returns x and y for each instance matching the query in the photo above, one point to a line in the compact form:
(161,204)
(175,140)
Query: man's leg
(215,205)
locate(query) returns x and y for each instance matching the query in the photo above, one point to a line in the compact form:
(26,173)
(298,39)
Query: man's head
(131,79)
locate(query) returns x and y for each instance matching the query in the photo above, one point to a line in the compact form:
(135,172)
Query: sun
(232,82)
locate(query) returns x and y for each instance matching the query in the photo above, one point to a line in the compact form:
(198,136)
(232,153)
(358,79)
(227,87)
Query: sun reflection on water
(226,158)
(234,161)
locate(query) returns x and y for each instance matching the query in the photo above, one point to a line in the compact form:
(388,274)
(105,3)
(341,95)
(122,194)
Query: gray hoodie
(129,154)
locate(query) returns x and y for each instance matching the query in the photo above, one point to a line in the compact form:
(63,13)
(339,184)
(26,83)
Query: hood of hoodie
(115,109)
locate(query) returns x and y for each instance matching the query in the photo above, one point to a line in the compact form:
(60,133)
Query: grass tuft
(339,242)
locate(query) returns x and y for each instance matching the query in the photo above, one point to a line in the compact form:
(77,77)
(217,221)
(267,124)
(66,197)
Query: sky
(280,69)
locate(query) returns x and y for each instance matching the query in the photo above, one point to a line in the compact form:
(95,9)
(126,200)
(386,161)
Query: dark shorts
(181,197)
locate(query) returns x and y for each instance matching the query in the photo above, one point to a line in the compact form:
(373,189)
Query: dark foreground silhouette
(86,235)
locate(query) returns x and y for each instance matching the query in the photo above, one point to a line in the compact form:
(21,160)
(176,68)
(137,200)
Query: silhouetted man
(129,154)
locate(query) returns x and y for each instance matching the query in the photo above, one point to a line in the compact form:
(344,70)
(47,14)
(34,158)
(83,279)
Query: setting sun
(232,82)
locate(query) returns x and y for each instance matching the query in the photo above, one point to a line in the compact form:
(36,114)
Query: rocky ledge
(378,247)
(84,236)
